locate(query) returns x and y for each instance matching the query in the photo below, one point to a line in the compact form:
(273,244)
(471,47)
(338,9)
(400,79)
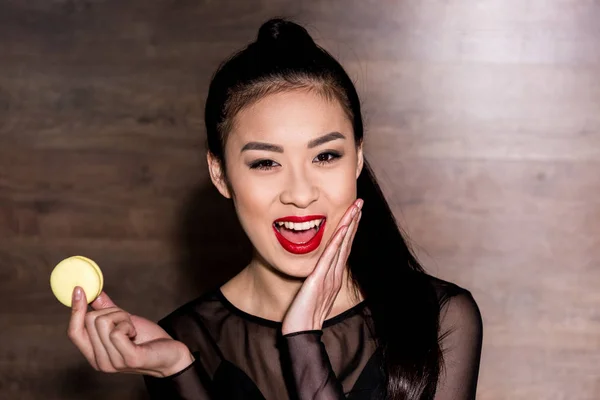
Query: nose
(300,190)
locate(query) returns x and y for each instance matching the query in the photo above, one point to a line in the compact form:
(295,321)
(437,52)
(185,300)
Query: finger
(350,217)
(331,288)
(100,354)
(102,302)
(340,262)
(347,247)
(349,238)
(105,326)
(76,330)
(347,217)
(121,340)
(351,230)
(351,212)
(326,260)
(359,203)
(358,217)
(332,273)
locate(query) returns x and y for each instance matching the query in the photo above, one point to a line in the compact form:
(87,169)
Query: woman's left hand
(315,299)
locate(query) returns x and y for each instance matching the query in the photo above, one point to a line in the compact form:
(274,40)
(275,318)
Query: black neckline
(276,324)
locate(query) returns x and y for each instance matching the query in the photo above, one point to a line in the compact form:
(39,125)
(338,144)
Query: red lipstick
(300,248)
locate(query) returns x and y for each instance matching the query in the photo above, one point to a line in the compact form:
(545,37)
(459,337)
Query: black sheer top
(241,356)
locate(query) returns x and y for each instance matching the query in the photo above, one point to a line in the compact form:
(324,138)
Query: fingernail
(360,203)
(77,294)
(354,211)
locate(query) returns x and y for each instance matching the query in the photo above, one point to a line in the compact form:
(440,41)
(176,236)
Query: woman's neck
(264,292)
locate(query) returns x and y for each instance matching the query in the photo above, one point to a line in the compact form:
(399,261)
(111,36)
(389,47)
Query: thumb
(102,302)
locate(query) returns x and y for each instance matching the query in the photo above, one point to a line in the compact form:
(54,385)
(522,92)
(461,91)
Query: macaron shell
(98,270)
(73,272)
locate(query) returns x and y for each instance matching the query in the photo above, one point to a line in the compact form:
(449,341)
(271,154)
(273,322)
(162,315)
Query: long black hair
(402,302)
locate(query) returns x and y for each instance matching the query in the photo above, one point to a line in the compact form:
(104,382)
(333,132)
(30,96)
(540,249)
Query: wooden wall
(483,125)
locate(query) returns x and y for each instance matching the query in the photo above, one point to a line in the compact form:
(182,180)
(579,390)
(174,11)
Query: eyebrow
(278,149)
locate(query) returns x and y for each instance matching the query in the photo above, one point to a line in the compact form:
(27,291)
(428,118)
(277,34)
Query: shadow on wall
(211,242)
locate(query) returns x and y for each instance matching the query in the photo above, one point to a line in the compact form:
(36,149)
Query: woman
(307,318)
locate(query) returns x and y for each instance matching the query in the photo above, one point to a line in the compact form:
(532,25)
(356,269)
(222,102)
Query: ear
(217,174)
(360,159)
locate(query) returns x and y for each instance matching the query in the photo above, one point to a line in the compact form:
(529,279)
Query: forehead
(292,118)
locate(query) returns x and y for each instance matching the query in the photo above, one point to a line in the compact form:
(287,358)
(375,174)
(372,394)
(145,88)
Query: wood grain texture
(482,125)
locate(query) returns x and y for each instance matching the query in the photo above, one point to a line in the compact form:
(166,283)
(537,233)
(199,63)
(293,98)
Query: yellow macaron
(76,271)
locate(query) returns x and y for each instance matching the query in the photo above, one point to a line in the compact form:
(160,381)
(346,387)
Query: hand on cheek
(317,295)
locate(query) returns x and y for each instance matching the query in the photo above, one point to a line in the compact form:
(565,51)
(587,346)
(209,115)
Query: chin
(298,270)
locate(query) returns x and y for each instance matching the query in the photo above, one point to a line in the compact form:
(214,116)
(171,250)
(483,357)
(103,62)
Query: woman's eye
(263,164)
(327,157)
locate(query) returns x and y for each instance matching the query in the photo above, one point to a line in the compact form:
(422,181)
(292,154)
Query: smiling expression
(290,155)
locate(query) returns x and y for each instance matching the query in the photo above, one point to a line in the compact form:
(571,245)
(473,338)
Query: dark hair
(400,297)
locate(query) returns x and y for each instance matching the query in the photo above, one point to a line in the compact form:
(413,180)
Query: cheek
(250,200)
(253,201)
(340,192)
(340,185)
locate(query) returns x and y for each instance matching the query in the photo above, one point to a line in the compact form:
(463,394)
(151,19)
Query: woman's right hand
(112,340)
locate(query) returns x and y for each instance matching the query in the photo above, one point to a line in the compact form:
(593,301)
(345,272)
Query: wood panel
(482,125)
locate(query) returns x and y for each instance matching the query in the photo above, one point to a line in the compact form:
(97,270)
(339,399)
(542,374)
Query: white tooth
(301,226)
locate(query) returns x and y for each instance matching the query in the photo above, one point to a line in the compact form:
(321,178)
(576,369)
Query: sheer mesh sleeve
(196,381)
(310,367)
(462,334)
(188,384)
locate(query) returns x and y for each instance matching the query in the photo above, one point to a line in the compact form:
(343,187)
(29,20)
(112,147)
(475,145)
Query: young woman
(333,304)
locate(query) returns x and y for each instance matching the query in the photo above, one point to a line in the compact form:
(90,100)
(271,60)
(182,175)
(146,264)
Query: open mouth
(299,232)
(299,235)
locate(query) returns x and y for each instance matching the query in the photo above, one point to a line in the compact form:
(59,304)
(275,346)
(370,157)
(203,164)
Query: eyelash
(267,164)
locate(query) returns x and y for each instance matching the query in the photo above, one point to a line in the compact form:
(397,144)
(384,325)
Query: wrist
(183,361)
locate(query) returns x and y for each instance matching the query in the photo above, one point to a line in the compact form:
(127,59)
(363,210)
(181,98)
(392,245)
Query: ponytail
(402,302)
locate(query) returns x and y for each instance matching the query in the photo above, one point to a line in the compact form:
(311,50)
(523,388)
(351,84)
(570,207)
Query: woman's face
(292,165)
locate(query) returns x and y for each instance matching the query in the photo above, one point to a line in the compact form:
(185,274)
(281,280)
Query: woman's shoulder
(458,307)
(446,290)
(198,311)
(194,324)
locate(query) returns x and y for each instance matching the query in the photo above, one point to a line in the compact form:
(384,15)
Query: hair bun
(279,32)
